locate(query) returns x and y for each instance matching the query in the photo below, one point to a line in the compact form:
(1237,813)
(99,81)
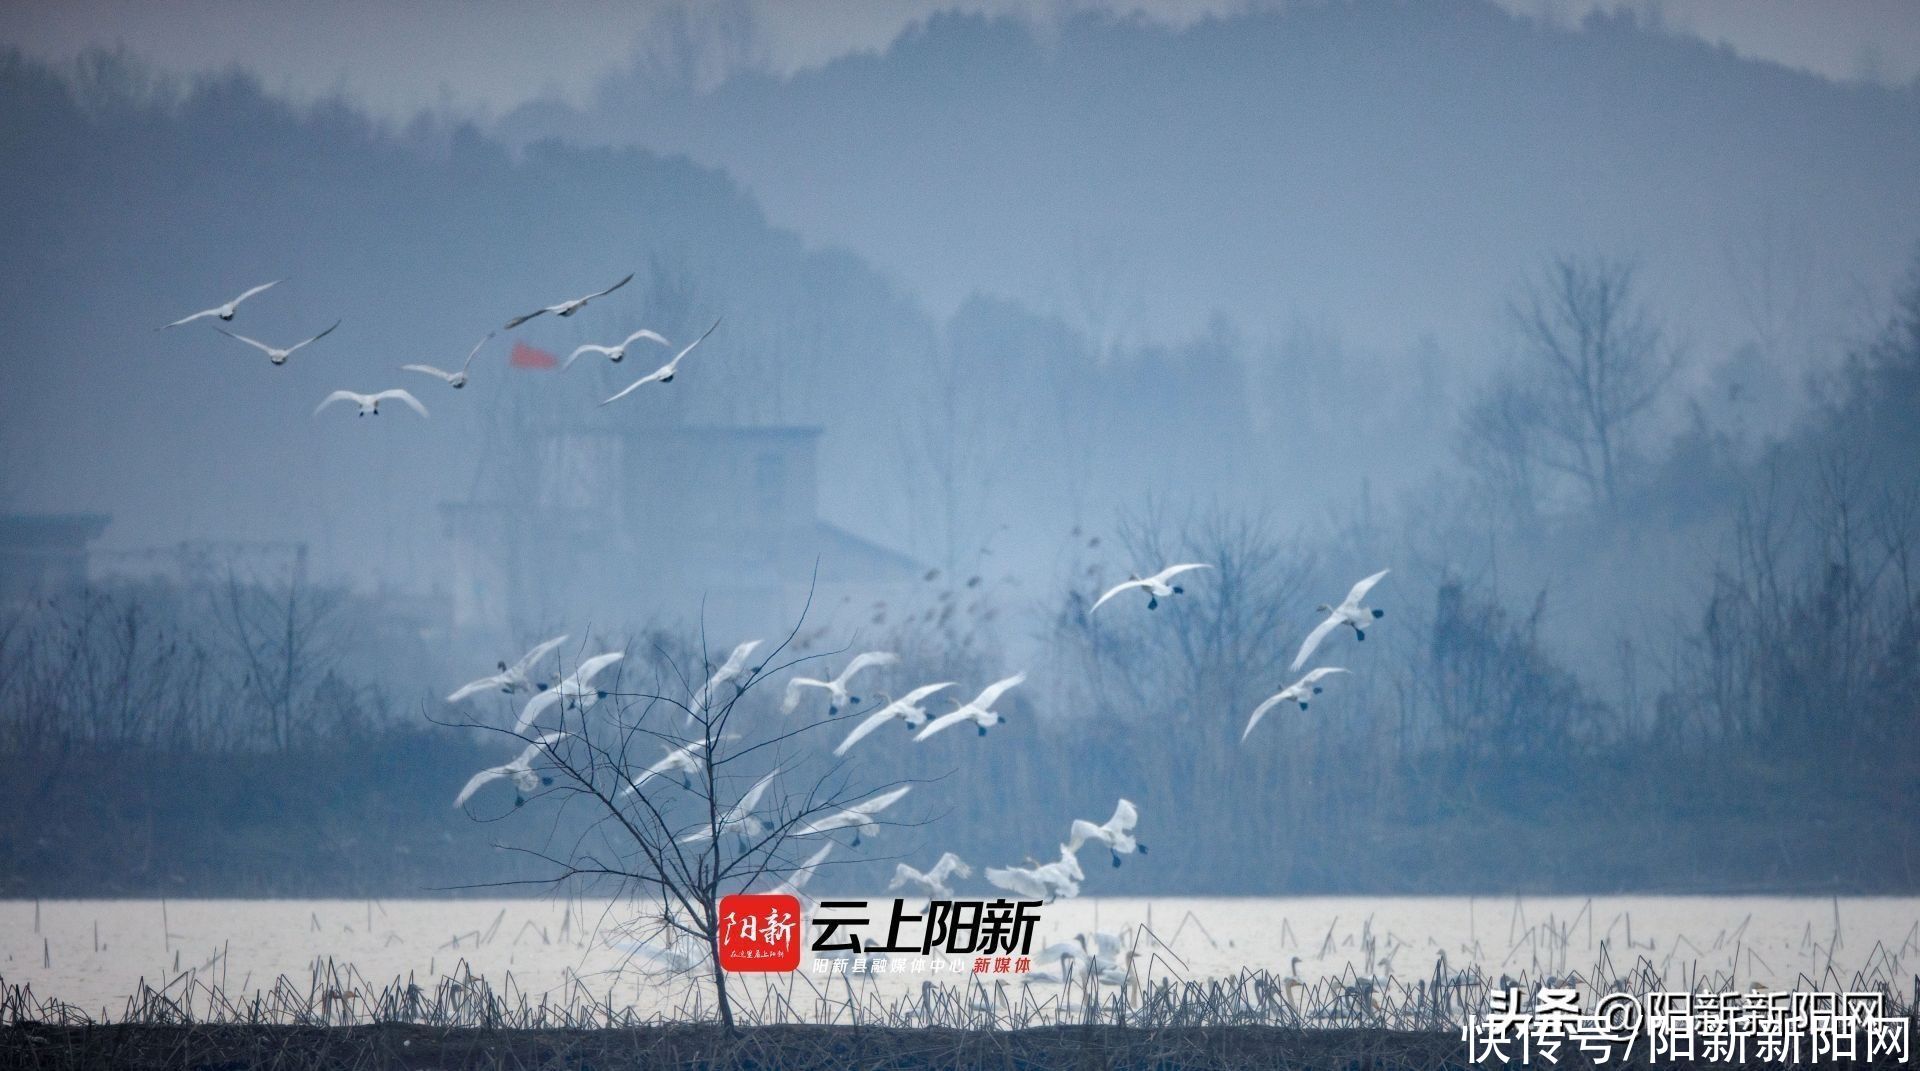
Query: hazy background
(1070,290)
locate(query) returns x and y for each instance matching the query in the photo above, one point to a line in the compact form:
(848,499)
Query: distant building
(673,525)
(44,554)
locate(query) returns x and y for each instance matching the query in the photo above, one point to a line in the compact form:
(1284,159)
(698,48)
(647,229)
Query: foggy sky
(491,55)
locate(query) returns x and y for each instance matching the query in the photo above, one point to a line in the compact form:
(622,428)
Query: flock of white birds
(369,404)
(577,690)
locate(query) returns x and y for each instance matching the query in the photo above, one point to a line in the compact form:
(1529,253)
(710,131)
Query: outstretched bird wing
(535,707)
(791,701)
(190,319)
(255,290)
(475,687)
(862,661)
(1081,832)
(532,658)
(429,370)
(1260,711)
(588,348)
(608,290)
(340,396)
(402,395)
(941,724)
(312,340)
(1172,571)
(254,342)
(1115,590)
(1313,639)
(518,320)
(1360,590)
(865,729)
(992,693)
(475,349)
(1018,880)
(881,802)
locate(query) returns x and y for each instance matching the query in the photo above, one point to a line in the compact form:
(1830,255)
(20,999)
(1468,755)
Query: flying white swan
(933,881)
(907,708)
(274,353)
(980,711)
(512,678)
(578,687)
(370,403)
(1156,586)
(740,817)
(1299,691)
(1349,613)
(858,817)
(685,759)
(456,380)
(836,688)
(735,665)
(520,769)
(567,308)
(616,352)
(225,312)
(802,874)
(664,373)
(1058,880)
(1117,834)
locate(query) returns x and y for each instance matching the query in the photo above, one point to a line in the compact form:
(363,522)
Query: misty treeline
(1758,734)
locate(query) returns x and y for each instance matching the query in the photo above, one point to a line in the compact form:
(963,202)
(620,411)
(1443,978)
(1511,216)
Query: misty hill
(1380,170)
(133,203)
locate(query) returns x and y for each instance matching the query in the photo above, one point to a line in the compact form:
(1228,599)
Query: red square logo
(759,932)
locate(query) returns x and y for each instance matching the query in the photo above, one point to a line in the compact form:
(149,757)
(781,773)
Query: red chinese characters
(759,932)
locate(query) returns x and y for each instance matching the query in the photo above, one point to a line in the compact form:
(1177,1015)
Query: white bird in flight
(567,308)
(980,711)
(858,817)
(1051,881)
(907,708)
(512,678)
(735,665)
(578,687)
(933,882)
(740,817)
(225,312)
(1299,691)
(520,769)
(370,403)
(685,759)
(1349,613)
(803,873)
(837,687)
(1156,585)
(1117,834)
(664,373)
(275,354)
(456,380)
(616,352)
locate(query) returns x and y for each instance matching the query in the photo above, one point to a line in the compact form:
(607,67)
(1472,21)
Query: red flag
(525,356)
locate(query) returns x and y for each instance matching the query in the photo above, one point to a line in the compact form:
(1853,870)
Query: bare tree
(693,790)
(1592,359)
(286,640)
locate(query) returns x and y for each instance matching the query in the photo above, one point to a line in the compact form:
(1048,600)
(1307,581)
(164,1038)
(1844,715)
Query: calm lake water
(93,953)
